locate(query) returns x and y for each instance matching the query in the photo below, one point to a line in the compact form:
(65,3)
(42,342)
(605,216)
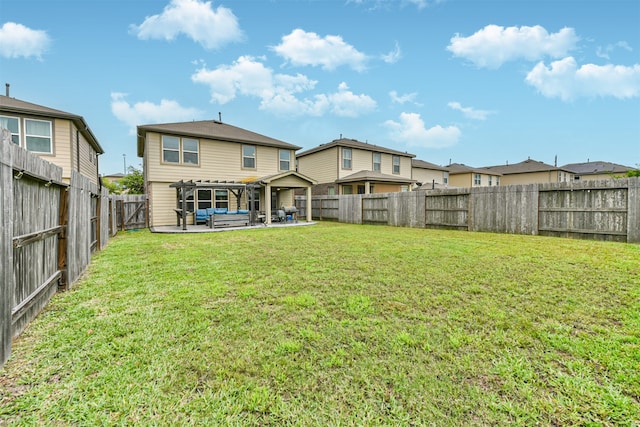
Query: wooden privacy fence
(50,229)
(601,210)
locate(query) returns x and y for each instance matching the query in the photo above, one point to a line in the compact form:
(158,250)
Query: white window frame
(377,165)
(249,156)
(181,150)
(284,162)
(477,179)
(50,136)
(15,137)
(395,165)
(222,202)
(347,158)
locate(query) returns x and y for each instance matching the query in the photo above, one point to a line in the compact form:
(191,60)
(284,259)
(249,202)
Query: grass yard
(337,325)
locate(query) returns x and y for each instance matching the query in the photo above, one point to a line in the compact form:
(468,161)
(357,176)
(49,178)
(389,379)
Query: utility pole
(124,157)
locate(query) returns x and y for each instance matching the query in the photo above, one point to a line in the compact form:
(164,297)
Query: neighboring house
(429,175)
(348,166)
(59,137)
(114,177)
(596,170)
(461,175)
(220,158)
(531,172)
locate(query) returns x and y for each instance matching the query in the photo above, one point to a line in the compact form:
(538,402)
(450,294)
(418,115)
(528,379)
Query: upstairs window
(346,158)
(249,156)
(476,179)
(377,162)
(179,150)
(13,125)
(37,134)
(285,160)
(490,180)
(497,180)
(396,164)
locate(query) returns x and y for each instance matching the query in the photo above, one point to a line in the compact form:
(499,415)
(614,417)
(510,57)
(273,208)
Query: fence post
(62,238)
(633,210)
(6,244)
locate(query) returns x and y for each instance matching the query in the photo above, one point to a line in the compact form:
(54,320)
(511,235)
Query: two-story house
(531,172)
(590,171)
(61,138)
(429,175)
(461,175)
(221,158)
(349,166)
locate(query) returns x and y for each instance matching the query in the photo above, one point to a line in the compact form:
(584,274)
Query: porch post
(367,187)
(267,196)
(309,217)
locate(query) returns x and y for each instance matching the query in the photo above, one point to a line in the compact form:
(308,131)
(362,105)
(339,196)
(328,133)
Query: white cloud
(494,45)
(212,28)
(147,112)
(470,112)
(393,56)
(403,99)
(301,48)
(411,131)
(603,52)
(279,94)
(16,40)
(565,80)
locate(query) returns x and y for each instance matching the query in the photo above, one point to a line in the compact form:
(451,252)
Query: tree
(133,182)
(113,187)
(634,172)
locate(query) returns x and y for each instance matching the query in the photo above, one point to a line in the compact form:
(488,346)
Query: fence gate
(131,211)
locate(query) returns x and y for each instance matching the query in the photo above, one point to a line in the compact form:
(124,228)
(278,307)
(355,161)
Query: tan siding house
(59,137)
(213,151)
(349,166)
(461,175)
(531,172)
(429,175)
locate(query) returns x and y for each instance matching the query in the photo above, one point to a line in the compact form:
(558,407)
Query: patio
(205,229)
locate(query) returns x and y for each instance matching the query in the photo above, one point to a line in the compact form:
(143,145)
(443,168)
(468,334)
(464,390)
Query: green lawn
(337,325)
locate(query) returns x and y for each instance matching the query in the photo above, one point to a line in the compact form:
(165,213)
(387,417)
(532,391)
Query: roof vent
(7,88)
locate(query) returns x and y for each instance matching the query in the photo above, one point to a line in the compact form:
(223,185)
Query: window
(404,188)
(331,191)
(476,179)
(285,160)
(361,189)
(490,179)
(497,180)
(396,164)
(346,158)
(222,199)
(13,125)
(204,199)
(445,178)
(347,189)
(190,204)
(377,162)
(179,150)
(37,134)
(170,149)
(249,156)
(190,151)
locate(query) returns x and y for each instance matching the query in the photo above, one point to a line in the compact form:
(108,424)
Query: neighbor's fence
(49,231)
(601,210)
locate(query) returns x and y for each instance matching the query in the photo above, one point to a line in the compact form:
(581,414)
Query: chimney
(7,88)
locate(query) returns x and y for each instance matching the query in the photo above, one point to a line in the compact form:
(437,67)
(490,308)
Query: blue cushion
(220,210)
(210,211)
(232,212)
(201,214)
(243,211)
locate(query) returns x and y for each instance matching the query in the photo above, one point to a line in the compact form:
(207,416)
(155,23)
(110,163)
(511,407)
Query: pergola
(284,180)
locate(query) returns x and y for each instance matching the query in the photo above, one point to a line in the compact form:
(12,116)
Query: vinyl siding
(461,180)
(219,160)
(321,166)
(427,176)
(530,178)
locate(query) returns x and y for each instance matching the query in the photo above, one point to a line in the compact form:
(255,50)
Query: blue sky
(475,82)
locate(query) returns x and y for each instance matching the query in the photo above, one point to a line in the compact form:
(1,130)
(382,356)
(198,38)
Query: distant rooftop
(594,168)
(354,143)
